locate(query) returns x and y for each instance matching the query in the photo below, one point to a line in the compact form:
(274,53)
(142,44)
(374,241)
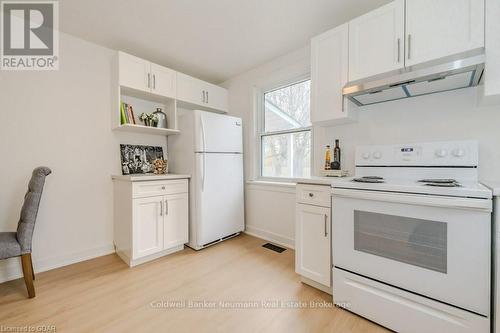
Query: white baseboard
(10,269)
(314,284)
(270,236)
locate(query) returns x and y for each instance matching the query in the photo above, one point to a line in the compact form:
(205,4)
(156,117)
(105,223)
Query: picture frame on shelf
(138,159)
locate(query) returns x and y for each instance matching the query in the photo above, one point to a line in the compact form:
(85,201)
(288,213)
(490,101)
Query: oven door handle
(416,199)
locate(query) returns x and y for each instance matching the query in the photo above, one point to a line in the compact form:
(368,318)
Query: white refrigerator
(209,148)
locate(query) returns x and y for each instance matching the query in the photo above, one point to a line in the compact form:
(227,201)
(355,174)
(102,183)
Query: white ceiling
(211,39)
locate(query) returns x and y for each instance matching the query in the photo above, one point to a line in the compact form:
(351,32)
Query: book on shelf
(123,118)
(127,115)
(132,115)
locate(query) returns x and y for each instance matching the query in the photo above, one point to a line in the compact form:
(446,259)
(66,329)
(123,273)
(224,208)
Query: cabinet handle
(399,50)
(311,195)
(161,208)
(149,80)
(166,207)
(154,81)
(203,96)
(326,227)
(409,46)
(207,97)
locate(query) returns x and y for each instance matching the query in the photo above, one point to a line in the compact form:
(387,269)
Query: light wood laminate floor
(104,295)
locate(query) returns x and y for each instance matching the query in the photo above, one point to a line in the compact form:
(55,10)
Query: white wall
(492,42)
(61,119)
(454,115)
(269,210)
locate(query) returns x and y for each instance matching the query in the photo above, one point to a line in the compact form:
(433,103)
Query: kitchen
(468,115)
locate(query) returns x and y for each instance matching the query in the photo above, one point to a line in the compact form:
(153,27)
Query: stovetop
(469,189)
(447,168)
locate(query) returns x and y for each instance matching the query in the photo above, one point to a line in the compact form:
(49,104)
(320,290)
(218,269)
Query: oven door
(434,246)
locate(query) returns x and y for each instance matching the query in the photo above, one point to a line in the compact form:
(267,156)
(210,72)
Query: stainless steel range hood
(447,74)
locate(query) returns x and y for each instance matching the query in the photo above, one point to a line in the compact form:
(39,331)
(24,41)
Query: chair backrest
(29,211)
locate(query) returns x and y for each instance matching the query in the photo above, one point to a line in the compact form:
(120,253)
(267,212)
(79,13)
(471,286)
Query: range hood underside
(457,74)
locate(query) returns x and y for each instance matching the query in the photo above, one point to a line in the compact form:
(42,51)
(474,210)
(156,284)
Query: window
(285,135)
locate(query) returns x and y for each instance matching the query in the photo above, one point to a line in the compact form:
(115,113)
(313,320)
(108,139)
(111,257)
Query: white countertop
(319,180)
(148,177)
(472,189)
(494,186)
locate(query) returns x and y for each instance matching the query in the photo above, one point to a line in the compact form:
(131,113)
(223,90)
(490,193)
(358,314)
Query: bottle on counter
(328,157)
(336,156)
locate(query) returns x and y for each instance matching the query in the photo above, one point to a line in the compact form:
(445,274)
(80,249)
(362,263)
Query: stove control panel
(448,153)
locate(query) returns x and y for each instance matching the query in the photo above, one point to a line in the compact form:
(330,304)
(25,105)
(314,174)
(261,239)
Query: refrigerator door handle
(203,173)
(202,133)
(203,153)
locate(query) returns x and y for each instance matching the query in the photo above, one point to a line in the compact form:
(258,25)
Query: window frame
(261,133)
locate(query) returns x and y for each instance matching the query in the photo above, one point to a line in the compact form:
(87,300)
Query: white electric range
(412,238)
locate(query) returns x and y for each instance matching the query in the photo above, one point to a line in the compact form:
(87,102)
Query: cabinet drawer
(314,195)
(154,188)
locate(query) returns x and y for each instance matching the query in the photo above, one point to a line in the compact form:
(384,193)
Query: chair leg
(28,273)
(32,270)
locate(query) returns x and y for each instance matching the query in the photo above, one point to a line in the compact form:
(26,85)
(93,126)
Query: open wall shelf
(146,129)
(145,102)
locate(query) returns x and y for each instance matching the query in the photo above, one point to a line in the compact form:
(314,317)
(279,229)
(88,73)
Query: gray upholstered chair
(15,244)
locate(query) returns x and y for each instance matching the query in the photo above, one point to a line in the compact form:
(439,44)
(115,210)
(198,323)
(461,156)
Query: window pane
(287,108)
(287,155)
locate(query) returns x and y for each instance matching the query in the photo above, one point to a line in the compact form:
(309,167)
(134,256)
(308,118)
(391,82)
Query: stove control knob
(441,153)
(377,155)
(458,152)
(366,155)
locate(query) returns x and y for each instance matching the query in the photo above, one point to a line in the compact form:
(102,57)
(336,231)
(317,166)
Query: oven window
(416,242)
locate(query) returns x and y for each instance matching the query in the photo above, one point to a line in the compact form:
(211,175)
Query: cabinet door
(216,97)
(176,220)
(439,28)
(201,93)
(329,74)
(313,243)
(147,226)
(190,89)
(376,41)
(134,72)
(163,81)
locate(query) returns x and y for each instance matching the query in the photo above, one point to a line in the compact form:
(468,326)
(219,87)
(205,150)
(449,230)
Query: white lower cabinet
(147,226)
(176,209)
(151,219)
(313,255)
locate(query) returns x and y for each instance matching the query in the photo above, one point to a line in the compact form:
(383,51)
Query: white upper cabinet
(439,28)
(201,94)
(142,75)
(163,81)
(134,72)
(190,89)
(217,97)
(406,33)
(376,41)
(158,86)
(329,74)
